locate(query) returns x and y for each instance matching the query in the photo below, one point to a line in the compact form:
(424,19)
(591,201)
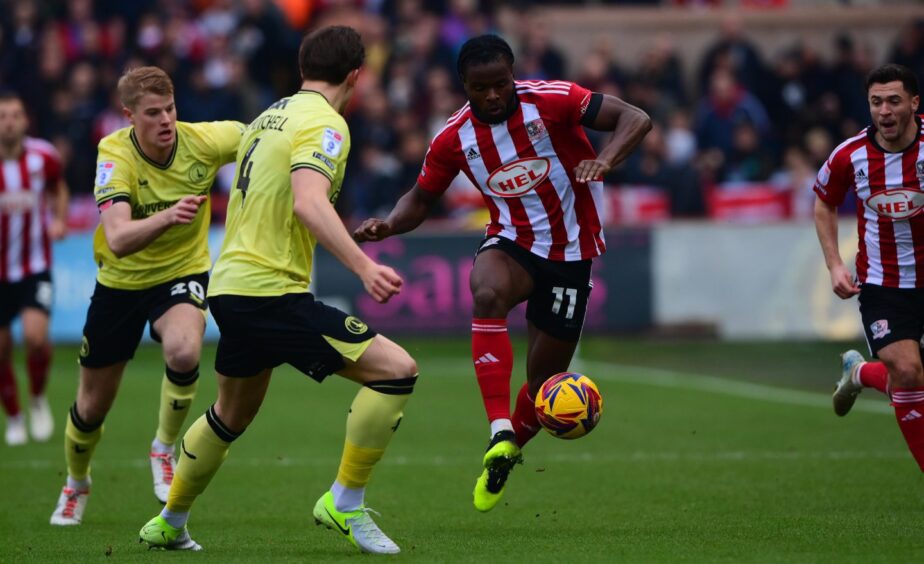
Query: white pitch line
(615,372)
(536,459)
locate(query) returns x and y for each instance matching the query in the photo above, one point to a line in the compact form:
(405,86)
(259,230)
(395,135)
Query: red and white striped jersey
(25,247)
(524,168)
(890,196)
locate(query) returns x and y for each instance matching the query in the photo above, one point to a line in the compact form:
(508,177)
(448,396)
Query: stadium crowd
(749,117)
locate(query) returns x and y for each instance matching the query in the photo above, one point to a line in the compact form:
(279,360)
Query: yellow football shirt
(267,251)
(125,174)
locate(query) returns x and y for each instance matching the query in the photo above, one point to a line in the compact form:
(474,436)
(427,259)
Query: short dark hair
(330,54)
(9,96)
(483,49)
(890,73)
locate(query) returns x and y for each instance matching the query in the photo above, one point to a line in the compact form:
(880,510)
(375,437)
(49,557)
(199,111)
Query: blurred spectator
(733,52)
(748,161)
(727,105)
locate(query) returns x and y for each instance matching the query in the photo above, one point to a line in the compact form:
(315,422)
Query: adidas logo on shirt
(490,358)
(860,175)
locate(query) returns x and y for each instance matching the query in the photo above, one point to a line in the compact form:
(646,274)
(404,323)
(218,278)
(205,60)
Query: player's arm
(314,210)
(57,229)
(126,236)
(629,125)
(842,280)
(410,211)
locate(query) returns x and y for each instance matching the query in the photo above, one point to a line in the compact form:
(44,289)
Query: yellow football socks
(203,449)
(175,398)
(80,440)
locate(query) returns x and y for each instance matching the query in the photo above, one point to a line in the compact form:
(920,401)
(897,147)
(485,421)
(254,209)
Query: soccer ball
(569,405)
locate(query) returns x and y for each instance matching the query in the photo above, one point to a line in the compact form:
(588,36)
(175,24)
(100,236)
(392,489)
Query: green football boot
(357,526)
(159,534)
(502,455)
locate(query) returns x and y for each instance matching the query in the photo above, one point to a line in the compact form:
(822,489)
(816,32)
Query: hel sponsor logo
(519,177)
(880,328)
(897,204)
(104,172)
(19,202)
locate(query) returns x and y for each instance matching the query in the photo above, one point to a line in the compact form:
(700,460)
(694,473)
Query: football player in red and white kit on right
(522,144)
(884,165)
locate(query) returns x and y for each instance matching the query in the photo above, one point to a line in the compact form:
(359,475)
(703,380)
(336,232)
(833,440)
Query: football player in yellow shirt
(151,247)
(290,168)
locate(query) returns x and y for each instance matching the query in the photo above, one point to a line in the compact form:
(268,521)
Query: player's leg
(202,451)
(906,382)
(9,393)
(38,361)
(244,367)
(113,329)
(498,282)
(180,331)
(387,374)
(96,393)
(547,355)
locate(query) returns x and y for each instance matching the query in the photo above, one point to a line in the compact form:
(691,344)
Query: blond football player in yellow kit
(151,247)
(290,168)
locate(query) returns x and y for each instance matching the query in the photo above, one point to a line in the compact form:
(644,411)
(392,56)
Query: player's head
(333,55)
(13,120)
(147,101)
(893,95)
(486,68)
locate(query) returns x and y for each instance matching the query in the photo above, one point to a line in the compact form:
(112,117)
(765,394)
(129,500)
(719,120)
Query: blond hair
(139,81)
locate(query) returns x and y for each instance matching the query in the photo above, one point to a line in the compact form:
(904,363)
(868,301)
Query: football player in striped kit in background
(31,180)
(884,166)
(523,145)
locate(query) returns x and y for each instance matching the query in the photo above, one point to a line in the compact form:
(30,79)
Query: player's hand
(587,171)
(843,282)
(381,282)
(184,211)
(57,229)
(372,230)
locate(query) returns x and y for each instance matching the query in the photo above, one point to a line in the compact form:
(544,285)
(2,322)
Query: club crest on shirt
(880,328)
(104,172)
(536,130)
(332,142)
(198,172)
(920,168)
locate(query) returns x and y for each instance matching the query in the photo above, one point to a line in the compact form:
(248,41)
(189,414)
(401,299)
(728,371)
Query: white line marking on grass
(615,372)
(608,371)
(537,459)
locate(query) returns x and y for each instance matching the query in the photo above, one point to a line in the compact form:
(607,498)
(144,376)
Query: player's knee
(488,302)
(36,344)
(906,374)
(234,416)
(182,357)
(405,366)
(91,411)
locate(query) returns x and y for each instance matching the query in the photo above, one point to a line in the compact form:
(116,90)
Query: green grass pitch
(706,452)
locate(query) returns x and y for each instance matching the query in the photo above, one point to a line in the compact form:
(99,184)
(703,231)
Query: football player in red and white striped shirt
(884,165)
(30,179)
(522,144)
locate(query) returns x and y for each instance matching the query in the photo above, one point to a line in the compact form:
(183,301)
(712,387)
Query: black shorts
(891,314)
(116,318)
(32,291)
(263,332)
(558,303)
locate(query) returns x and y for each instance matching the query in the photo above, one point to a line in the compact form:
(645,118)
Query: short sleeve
(323,148)
(832,181)
(571,107)
(113,178)
(226,136)
(439,168)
